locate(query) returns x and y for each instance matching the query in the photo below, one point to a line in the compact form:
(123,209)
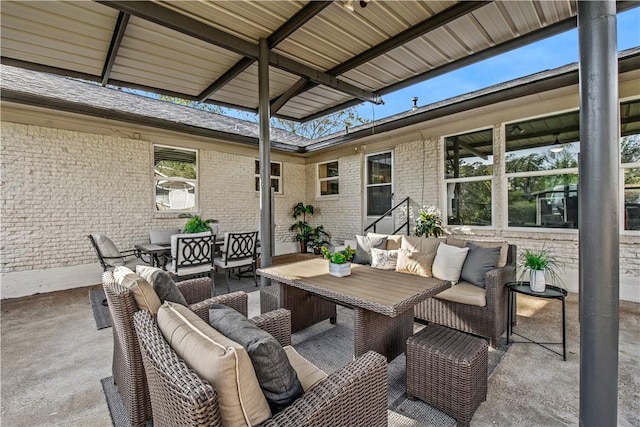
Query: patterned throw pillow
(384,260)
(364,245)
(417,263)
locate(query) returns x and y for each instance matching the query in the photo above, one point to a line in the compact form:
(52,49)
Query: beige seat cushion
(143,292)
(309,374)
(465,293)
(394,241)
(224,363)
(421,244)
(417,263)
(504,248)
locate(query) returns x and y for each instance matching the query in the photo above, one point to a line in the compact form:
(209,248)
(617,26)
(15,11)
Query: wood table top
(383,291)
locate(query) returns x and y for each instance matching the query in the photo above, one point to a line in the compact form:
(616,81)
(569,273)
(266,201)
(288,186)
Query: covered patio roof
(323,57)
(301,60)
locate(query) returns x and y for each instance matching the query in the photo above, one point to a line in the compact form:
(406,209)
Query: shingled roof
(67,94)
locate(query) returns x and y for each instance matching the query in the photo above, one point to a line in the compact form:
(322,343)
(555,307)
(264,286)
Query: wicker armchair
(355,395)
(489,321)
(128,370)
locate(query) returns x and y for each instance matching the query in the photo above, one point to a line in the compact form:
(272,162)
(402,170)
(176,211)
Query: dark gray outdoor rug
(100,309)
(330,347)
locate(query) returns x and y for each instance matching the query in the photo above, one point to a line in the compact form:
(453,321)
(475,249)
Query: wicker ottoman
(448,370)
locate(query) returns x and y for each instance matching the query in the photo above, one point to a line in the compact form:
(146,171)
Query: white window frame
(367,185)
(529,174)
(278,178)
(331,178)
(193,182)
(446,181)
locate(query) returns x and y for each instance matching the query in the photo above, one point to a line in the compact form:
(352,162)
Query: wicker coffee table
(382,300)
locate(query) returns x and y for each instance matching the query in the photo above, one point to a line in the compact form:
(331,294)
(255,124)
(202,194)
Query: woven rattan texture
(179,397)
(381,291)
(489,321)
(384,334)
(128,371)
(355,395)
(306,309)
(128,368)
(448,369)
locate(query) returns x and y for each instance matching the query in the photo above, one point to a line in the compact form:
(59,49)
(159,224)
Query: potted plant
(541,265)
(339,262)
(196,224)
(318,238)
(429,222)
(302,227)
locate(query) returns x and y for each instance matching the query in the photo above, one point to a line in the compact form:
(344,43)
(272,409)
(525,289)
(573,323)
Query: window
(328,179)
(630,159)
(379,183)
(468,166)
(541,165)
(175,173)
(276,176)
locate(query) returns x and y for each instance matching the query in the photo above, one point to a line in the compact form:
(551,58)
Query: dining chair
(109,255)
(238,251)
(162,236)
(192,255)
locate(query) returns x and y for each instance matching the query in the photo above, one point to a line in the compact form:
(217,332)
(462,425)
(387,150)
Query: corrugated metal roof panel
(249,20)
(72,35)
(245,86)
(156,56)
(75,37)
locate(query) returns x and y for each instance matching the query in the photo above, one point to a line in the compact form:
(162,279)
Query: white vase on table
(340,270)
(537,281)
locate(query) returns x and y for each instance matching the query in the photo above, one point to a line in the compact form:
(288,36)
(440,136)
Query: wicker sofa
(355,395)
(466,307)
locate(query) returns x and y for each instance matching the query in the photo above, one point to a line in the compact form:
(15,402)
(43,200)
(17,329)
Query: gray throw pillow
(162,283)
(364,245)
(479,261)
(277,378)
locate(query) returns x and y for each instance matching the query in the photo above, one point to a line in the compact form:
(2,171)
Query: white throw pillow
(448,262)
(384,260)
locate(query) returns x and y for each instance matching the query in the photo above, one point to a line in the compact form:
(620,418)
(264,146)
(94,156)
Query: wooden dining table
(382,300)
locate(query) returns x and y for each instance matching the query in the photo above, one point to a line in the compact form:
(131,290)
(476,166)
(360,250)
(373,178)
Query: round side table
(550,292)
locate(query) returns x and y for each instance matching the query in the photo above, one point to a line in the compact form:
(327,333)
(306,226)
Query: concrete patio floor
(52,360)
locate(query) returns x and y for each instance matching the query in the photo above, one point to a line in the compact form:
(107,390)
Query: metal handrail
(406,223)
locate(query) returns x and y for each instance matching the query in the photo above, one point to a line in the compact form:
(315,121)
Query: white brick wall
(340,215)
(58,186)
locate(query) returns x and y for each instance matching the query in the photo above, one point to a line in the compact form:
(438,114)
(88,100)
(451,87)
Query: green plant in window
(196,224)
(429,222)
